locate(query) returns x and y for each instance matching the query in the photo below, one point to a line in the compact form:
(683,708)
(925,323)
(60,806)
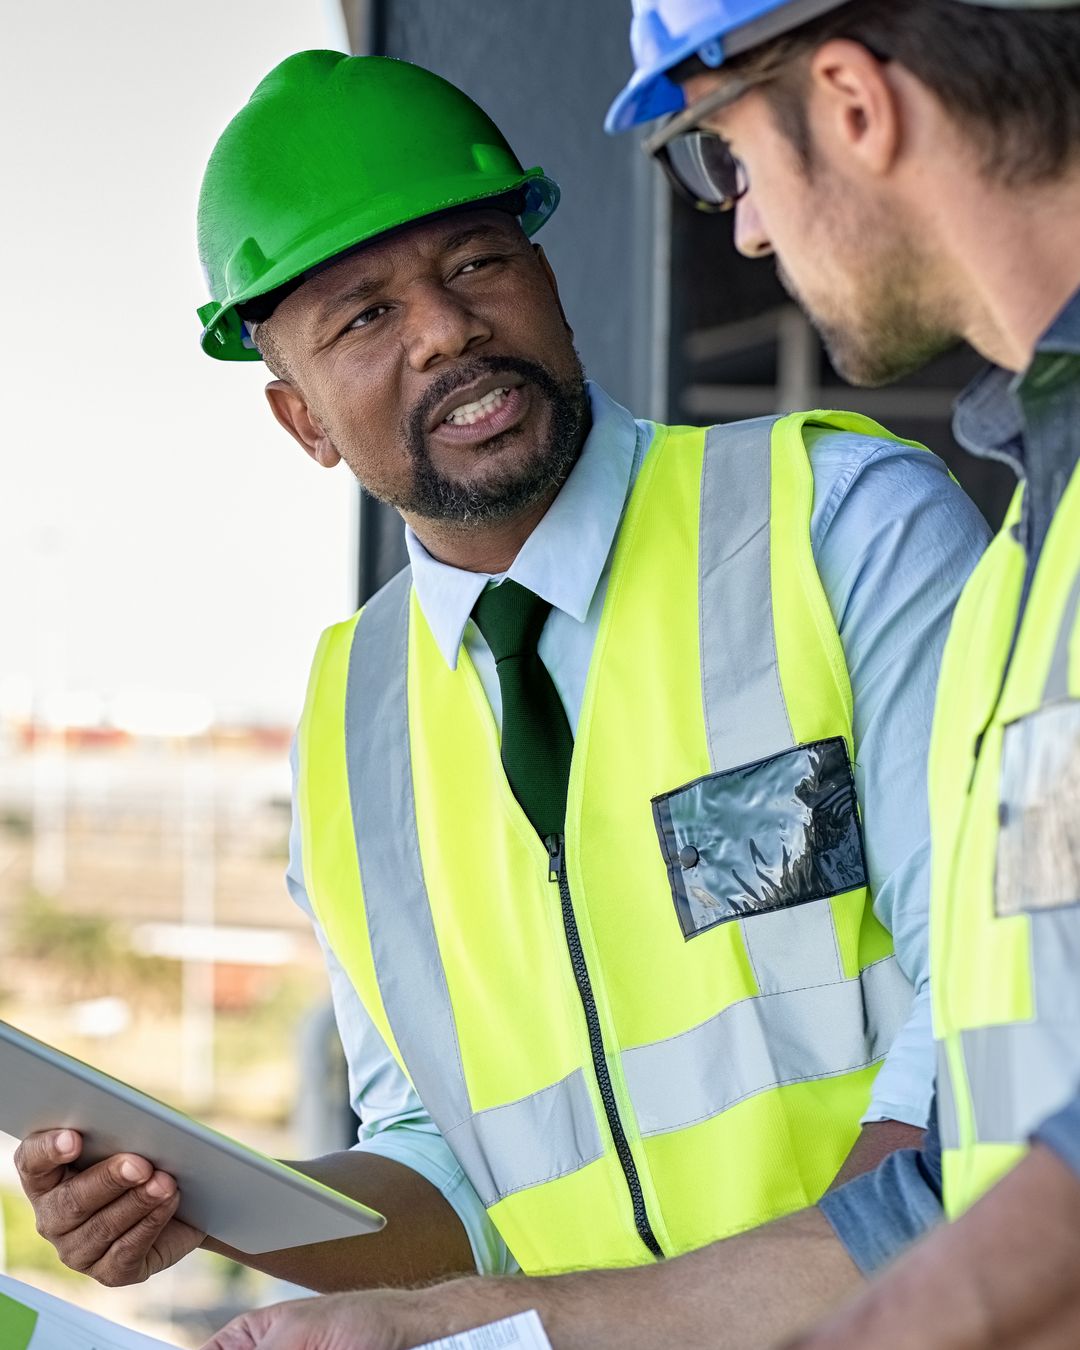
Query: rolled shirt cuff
(876,1216)
(1061,1132)
(428,1154)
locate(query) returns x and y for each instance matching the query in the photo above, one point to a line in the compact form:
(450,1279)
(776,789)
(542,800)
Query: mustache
(467,372)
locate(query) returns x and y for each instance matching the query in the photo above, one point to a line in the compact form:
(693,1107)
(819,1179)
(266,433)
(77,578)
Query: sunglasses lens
(705,169)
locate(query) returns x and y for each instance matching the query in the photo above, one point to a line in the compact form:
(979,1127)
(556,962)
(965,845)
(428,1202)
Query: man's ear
(290,408)
(858,104)
(545,267)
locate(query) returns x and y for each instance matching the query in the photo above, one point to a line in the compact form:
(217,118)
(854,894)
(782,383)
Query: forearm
(876,1141)
(729,1296)
(1003,1275)
(423,1240)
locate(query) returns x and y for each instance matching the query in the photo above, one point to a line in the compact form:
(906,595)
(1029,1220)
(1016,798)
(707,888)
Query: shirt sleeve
(895,539)
(880,1213)
(1061,1132)
(393,1121)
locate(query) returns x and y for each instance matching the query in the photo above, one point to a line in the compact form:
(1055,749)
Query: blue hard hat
(665,33)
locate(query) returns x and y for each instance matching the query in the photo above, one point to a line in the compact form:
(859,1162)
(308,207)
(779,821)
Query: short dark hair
(1010,78)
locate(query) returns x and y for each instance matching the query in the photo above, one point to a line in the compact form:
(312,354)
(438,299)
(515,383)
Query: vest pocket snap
(782,831)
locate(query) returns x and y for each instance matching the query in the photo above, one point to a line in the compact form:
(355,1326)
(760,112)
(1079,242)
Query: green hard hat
(329,152)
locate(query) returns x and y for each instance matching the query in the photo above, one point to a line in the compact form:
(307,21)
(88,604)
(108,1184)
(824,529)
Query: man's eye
(476,264)
(375,312)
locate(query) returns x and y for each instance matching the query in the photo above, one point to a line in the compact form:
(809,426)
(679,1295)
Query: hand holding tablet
(131,1181)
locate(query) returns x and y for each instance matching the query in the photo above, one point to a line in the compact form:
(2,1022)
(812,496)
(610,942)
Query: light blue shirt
(894,539)
(1029,421)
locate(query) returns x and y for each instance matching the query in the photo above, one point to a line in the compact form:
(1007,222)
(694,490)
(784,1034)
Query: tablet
(239,1196)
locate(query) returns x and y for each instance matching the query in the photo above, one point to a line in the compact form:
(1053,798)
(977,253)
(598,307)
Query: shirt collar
(989,419)
(564,557)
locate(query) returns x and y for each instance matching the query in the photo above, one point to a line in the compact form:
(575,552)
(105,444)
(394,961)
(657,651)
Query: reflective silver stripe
(1021,1072)
(541,1137)
(1057,681)
(948,1122)
(745,714)
(1018,1074)
(506,1148)
(789,948)
(765,1042)
(403,941)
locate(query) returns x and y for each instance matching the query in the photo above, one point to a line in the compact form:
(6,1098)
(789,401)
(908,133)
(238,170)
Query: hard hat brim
(649,95)
(225,336)
(650,90)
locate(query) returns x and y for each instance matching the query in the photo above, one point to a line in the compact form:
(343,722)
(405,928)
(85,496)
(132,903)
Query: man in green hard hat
(610,810)
(914,169)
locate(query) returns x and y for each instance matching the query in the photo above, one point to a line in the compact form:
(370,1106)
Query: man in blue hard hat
(915,169)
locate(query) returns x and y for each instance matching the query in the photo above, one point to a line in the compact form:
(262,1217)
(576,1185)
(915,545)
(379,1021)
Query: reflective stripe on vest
(1006,903)
(1019,1073)
(825,996)
(1057,680)
(746,717)
(511,1146)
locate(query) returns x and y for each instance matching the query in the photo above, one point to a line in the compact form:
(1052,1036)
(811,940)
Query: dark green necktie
(536,738)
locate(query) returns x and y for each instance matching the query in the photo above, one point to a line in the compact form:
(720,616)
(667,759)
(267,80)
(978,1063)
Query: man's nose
(441,327)
(751,238)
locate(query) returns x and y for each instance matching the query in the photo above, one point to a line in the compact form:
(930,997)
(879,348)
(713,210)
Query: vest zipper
(555,845)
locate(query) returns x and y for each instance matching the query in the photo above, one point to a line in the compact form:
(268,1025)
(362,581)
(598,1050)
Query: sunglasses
(698,162)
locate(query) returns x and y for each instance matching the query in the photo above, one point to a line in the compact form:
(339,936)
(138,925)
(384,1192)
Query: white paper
(62,1326)
(523,1332)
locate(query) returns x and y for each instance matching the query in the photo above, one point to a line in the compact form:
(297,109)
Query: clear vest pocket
(765,836)
(1038,854)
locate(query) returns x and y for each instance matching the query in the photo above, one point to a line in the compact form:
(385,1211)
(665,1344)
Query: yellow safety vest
(1005,807)
(675,1038)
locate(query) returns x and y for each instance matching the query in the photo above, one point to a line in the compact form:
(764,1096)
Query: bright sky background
(159,532)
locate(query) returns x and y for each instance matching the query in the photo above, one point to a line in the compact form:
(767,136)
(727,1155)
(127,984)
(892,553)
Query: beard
(889,325)
(436,495)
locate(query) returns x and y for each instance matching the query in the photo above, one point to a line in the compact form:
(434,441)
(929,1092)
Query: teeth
(469,413)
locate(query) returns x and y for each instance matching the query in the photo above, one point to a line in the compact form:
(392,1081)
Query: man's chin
(870,361)
(499,477)
(499,486)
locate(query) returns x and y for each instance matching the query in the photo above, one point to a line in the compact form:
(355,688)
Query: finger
(83,1245)
(174,1242)
(42,1159)
(130,1258)
(69,1206)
